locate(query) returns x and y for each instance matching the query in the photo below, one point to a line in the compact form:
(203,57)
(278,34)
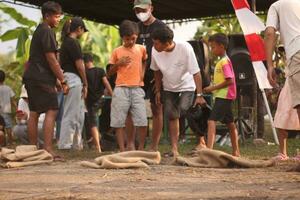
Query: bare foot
(199,147)
(236,154)
(98,149)
(130,148)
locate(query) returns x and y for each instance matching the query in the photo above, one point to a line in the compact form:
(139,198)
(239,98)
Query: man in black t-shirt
(97,82)
(143,10)
(42,74)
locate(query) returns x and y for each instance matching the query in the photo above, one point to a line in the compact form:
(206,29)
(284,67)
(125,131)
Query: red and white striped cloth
(251,25)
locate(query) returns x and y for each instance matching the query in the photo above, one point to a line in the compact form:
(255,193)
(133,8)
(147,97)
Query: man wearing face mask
(143,10)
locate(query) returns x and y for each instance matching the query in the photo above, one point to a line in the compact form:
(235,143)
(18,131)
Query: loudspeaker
(201,53)
(241,61)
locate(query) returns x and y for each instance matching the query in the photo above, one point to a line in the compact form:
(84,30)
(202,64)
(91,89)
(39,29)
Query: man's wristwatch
(199,94)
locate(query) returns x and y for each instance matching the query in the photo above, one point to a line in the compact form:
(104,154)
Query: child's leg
(48,128)
(142,136)
(283,134)
(120,138)
(211,133)
(201,143)
(174,134)
(157,125)
(234,139)
(95,135)
(33,127)
(130,133)
(9,134)
(139,115)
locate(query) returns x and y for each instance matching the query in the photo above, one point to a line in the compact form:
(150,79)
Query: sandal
(296,158)
(170,154)
(58,158)
(281,157)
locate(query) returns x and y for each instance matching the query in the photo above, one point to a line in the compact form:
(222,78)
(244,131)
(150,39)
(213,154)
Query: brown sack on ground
(207,158)
(124,160)
(24,155)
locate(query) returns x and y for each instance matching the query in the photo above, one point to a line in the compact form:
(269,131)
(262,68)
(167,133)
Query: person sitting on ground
(129,62)
(175,66)
(22,116)
(224,91)
(97,81)
(6,103)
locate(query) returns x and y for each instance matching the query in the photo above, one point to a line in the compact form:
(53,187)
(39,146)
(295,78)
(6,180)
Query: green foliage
(14,69)
(18,17)
(100,41)
(210,27)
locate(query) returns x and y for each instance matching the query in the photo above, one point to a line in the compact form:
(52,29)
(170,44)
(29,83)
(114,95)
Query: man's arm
(158,81)
(198,82)
(55,66)
(270,42)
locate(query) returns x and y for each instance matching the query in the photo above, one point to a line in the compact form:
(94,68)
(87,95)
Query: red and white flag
(251,26)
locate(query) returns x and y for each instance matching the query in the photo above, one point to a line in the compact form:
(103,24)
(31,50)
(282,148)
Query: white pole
(270,116)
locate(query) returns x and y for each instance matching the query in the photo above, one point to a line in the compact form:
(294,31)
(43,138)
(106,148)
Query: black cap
(77,22)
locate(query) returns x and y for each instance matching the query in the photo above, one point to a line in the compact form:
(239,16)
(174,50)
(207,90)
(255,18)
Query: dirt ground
(69,180)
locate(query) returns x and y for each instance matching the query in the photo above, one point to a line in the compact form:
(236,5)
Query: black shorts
(222,111)
(92,114)
(41,96)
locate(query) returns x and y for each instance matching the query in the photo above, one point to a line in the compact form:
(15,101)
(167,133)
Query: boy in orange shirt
(129,61)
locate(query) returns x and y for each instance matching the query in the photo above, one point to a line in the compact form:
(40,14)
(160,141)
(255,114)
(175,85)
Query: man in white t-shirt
(284,16)
(175,66)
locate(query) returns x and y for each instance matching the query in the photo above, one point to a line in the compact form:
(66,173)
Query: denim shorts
(176,104)
(8,120)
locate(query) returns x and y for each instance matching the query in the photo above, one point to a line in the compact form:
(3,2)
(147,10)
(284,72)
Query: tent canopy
(114,11)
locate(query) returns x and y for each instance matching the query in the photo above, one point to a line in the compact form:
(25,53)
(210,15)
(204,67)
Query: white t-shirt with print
(177,67)
(6,94)
(284,16)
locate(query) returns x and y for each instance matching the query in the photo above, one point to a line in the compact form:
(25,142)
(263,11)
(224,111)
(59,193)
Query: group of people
(149,64)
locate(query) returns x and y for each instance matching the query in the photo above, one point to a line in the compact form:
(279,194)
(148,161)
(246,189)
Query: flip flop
(296,158)
(58,158)
(170,154)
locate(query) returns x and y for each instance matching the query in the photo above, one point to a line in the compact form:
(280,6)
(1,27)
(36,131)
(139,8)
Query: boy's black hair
(2,76)
(51,8)
(128,28)
(87,57)
(219,38)
(164,34)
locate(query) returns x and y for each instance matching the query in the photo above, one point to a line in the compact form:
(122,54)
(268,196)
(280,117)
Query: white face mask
(143,16)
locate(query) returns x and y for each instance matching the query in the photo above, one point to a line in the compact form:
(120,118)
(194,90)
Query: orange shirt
(131,74)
